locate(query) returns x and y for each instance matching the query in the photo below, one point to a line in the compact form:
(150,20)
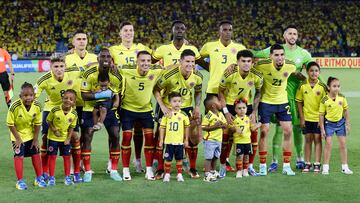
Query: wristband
(225,110)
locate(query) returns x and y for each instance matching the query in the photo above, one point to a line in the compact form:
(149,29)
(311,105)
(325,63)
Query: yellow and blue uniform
(175,127)
(243,140)
(122,55)
(333,109)
(274,99)
(138,90)
(74,60)
(220,58)
(24,121)
(171,55)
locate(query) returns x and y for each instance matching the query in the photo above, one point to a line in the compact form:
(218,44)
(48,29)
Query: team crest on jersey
(151,77)
(69,82)
(340,103)
(51,149)
(70,120)
(286,74)
(233,50)
(318,93)
(192,84)
(179,118)
(246,122)
(250,83)
(34,115)
(17,151)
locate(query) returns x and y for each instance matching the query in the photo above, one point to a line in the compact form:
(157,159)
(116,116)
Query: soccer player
(24,121)
(78,61)
(188,82)
(62,121)
(234,85)
(55,83)
(335,118)
(5,58)
(140,80)
(274,101)
(125,54)
(308,98)
(221,53)
(214,123)
(170,53)
(301,58)
(174,127)
(90,85)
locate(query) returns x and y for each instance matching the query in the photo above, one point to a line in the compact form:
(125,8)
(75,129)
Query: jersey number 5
(141,86)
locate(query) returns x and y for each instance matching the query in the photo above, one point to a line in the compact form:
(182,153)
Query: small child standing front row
(175,129)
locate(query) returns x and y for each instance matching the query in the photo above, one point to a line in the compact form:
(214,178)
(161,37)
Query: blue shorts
(25,149)
(231,109)
(281,111)
(311,127)
(54,146)
(44,125)
(335,127)
(110,119)
(243,149)
(212,149)
(128,119)
(107,104)
(173,150)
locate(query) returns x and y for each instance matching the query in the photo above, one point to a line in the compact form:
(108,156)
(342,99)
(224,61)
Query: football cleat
(179,177)
(300,165)
(77,178)
(245,173)
(317,168)
(39,181)
(287,171)
(307,168)
(252,172)
(273,167)
(166,178)
(239,174)
(87,177)
(21,185)
(51,181)
(45,176)
(159,174)
(68,180)
(222,172)
(193,173)
(346,171)
(114,174)
(138,166)
(126,174)
(263,170)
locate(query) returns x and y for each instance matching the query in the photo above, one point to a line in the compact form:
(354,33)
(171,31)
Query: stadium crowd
(325,27)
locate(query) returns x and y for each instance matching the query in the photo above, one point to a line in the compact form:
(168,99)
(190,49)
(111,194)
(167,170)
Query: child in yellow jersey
(334,118)
(308,97)
(175,129)
(242,137)
(62,121)
(102,106)
(24,121)
(213,125)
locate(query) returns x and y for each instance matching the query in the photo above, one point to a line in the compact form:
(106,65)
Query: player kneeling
(24,121)
(175,129)
(62,121)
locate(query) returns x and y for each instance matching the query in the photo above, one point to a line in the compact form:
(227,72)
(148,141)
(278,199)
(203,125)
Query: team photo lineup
(149,100)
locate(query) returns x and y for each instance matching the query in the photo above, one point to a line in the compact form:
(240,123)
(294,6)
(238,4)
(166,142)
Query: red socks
(18,163)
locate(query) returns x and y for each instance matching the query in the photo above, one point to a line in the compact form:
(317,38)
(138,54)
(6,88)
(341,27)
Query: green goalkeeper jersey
(299,56)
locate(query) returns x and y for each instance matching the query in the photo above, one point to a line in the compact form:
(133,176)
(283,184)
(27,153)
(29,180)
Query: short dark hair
(177,22)
(187,52)
(276,47)
(55,58)
(290,26)
(104,49)
(79,32)
(124,24)
(330,79)
(26,85)
(71,91)
(142,53)
(244,53)
(174,94)
(103,77)
(312,63)
(208,101)
(223,22)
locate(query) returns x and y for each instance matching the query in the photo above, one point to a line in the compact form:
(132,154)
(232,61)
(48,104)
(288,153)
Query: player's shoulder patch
(43,78)
(208,115)
(128,66)
(116,74)
(183,113)
(229,73)
(14,105)
(74,112)
(324,99)
(263,61)
(196,72)
(89,71)
(256,72)
(341,95)
(287,61)
(171,72)
(55,109)
(323,85)
(72,68)
(38,104)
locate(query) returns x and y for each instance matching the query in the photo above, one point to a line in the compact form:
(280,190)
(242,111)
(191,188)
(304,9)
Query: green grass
(273,188)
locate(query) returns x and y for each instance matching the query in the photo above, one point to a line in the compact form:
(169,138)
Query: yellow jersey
(273,90)
(220,58)
(24,120)
(237,87)
(333,109)
(175,126)
(171,55)
(209,120)
(311,97)
(244,124)
(74,60)
(173,81)
(62,122)
(138,89)
(123,55)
